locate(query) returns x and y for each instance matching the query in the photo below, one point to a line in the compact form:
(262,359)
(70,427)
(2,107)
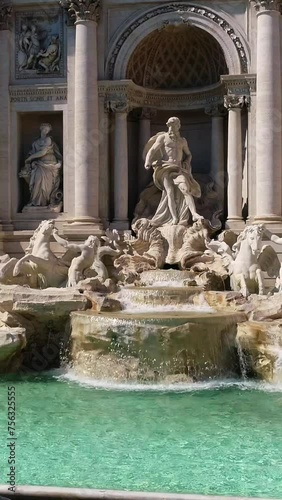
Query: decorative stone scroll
(5,15)
(82,10)
(181,10)
(39,43)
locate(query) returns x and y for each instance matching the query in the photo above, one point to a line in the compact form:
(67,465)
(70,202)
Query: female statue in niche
(42,172)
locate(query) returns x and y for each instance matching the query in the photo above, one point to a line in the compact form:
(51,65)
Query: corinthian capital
(235,101)
(262,5)
(215,110)
(82,10)
(118,105)
(5,14)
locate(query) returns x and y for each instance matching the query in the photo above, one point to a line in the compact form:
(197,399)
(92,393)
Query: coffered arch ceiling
(177,57)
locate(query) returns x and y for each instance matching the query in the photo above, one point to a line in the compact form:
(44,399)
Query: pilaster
(120,107)
(5,145)
(144,135)
(217,113)
(234,105)
(268,112)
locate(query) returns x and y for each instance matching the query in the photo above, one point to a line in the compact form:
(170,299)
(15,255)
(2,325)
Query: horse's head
(252,235)
(47,227)
(42,233)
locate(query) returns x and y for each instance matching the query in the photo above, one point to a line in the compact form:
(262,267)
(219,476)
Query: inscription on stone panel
(38,94)
(39,44)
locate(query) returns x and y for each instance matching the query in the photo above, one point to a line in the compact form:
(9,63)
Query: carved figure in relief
(24,44)
(39,46)
(49,59)
(42,171)
(33,48)
(169,155)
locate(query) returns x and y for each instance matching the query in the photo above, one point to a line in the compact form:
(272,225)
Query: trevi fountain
(140,266)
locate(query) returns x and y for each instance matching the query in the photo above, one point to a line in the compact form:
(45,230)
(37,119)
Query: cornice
(140,97)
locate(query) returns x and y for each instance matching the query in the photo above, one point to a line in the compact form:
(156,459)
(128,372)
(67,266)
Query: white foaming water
(167,284)
(71,376)
(133,308)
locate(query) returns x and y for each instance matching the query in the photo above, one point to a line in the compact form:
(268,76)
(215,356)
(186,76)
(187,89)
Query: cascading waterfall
(242,359)
(163,334)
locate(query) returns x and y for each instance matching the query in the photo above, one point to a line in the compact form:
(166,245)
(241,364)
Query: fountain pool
(207,438)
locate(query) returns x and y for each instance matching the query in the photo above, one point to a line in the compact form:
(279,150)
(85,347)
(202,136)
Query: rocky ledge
(34,325)
(259,338)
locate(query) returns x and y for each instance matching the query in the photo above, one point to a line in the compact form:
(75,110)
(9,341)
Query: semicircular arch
(233,45)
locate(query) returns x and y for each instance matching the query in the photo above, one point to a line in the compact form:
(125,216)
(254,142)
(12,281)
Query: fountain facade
(119,210)
(200,65)
(143,322)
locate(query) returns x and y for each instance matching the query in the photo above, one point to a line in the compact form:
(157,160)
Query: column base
(268,219)
(272,223)
(6,226)
(120,224)
(235,224)
(80,227)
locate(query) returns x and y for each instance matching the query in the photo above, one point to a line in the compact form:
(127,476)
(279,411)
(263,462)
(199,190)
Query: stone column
(69,177)
(268,112)
(251,150)
(120,165)
(234,105)
(86,115)
(217,147)
(104,167)
(5,146)
(144,136)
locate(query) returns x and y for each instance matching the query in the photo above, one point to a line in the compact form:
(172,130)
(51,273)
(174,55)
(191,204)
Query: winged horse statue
(246,260)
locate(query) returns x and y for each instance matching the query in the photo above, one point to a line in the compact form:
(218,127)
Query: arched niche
(229,38)
(177,57)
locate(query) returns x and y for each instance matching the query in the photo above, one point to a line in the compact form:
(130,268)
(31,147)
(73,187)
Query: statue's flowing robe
(177,175)
(45,175)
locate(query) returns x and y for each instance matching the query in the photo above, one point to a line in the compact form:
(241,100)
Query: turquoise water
(203,439)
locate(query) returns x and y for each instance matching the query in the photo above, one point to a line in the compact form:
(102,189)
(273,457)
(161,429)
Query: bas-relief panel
(39,44)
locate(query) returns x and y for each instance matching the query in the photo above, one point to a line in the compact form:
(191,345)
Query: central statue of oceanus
(169,155)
